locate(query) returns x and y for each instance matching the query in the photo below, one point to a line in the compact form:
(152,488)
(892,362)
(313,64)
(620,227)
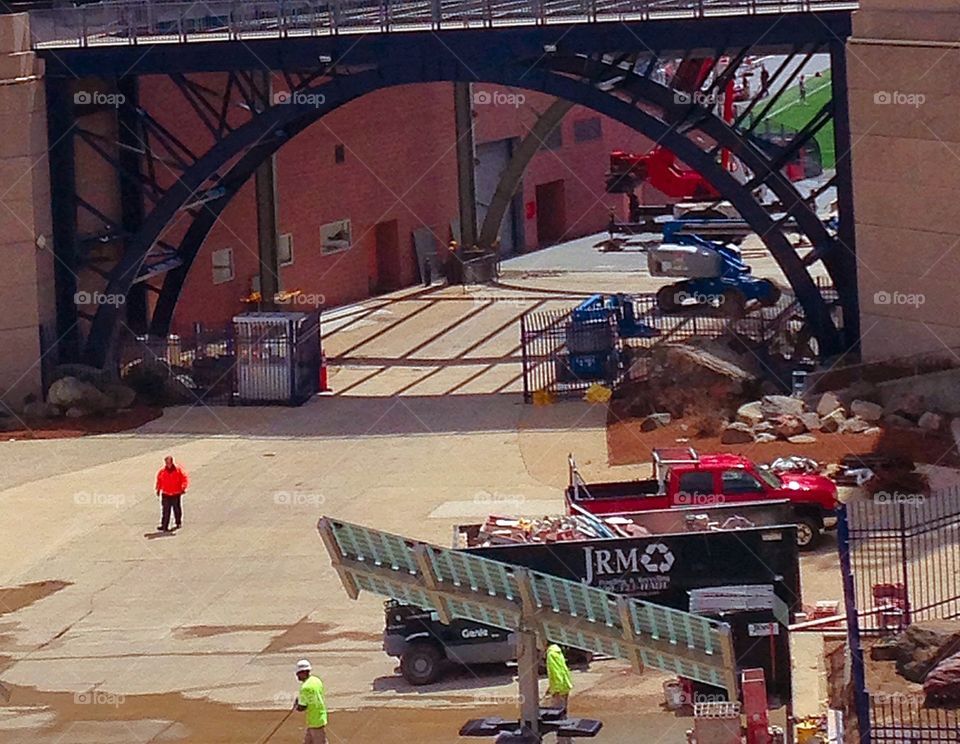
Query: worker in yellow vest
(312,701)
(559,682)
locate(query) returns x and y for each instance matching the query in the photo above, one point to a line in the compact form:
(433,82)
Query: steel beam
(512,175)
(265,188)
(845,256)
(131,138)
(777,34)
(61,129)
(466,174)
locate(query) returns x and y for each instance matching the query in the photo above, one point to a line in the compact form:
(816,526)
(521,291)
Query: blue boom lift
(714,273)
(593,335)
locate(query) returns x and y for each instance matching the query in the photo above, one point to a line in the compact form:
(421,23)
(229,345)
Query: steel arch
(265,133)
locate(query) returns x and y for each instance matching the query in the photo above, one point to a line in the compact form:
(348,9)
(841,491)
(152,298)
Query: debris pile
(878,474)
(928,652)
(706,381)
(499,530)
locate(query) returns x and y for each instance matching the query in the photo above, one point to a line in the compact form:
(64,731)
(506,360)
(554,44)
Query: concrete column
(903,65)
(26,278)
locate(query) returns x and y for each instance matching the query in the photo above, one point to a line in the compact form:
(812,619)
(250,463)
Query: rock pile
(929,652)
(854,410)
(80,391)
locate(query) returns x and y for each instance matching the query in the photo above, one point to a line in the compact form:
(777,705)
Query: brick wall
(398,163)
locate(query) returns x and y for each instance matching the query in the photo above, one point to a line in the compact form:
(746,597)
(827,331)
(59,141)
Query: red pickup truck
(683,478)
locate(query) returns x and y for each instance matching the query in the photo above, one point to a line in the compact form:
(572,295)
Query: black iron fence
(561,357)
(898,718)
(904,554)
(899,556)
(564,357)
(260,359)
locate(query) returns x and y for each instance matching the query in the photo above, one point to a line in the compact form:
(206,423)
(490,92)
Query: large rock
(802,439)
(176,392)
(120,395)
(736,433)
(896,421)
(855,425)
(942,685)
(765,427)
(85,372)
(69,392)
(924,645)
(76,412)
(38,409)
(763,438)
(655,421)
(860,390)
(750,413)
(811,421)
(908,405)
(930,421)
(788,426)
(781,405)
(866,410)
(827,404)
(833,421)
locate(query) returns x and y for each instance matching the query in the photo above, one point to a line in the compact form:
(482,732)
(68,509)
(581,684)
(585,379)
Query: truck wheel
(420,664)
(667,299)
(808,533)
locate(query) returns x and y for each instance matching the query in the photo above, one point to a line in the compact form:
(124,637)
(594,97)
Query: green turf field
(789,112)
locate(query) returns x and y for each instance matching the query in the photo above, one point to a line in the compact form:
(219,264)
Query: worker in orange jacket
(172,483)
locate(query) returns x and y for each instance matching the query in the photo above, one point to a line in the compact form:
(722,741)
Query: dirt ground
(63,428)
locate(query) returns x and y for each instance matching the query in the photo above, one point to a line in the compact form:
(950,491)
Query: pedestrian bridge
(128,22)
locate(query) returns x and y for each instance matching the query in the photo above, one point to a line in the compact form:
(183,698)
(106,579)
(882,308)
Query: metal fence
(899,556)
(194,368)
(904,552)
(253,362)
(902,719)
(564,358)
(135,21)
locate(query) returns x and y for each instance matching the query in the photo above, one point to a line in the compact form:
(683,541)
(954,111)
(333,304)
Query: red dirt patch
(62,428)
(15,598)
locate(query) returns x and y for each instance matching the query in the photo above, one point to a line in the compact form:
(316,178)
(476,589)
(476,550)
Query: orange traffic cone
(323,373)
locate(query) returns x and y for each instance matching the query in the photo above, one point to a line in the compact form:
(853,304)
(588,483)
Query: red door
(387,264)
(551,213)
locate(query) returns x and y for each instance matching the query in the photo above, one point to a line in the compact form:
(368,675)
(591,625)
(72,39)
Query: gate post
(528,679)
(904,568)
(857,671)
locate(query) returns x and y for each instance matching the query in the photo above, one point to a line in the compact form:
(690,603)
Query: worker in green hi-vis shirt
(559,682)
(311,700)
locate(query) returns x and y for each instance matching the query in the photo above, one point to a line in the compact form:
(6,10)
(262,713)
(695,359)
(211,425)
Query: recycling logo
(657,558)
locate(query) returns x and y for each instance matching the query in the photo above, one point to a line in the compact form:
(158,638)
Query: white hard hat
(303,665)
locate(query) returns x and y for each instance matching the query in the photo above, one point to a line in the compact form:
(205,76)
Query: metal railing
(898,718)
(127,22)
(904,553)
(563,358)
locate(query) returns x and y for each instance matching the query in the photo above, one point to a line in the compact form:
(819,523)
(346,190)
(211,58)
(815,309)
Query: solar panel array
(461,585)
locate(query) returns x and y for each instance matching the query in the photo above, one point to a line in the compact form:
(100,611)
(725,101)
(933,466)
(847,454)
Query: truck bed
(668,521)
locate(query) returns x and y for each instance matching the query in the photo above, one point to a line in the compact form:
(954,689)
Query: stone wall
(26,277)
